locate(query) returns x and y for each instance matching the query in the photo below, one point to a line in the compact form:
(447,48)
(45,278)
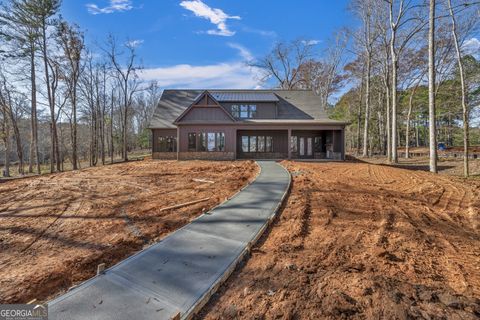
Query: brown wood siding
(265,110)
(156,133)
(211,113)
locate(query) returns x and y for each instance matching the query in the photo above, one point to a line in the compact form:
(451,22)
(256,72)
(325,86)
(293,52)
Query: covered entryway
(316,144)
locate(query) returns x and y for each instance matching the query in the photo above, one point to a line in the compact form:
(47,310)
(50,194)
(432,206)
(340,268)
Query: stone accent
(214,155)
(164,155)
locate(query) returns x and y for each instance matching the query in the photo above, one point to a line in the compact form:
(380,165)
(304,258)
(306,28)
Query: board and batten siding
(209,113)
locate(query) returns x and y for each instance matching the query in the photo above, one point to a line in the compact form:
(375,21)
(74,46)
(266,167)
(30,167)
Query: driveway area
(177,274)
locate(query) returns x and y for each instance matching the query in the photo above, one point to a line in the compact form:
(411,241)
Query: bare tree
(127,80)
(72,43)
(465,108)
(21,31)
(407,17)
(366,39)
(283,63)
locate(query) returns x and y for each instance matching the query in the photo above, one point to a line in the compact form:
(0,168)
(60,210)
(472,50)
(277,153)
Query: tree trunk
(431,89)
(74,124)
(388,113)
(6,140)
(409,114)
(50,100)
(18,142)
(34,156)
(125,121)
(465,109)
(394,107)
(367,107)
(359,117)
(111,130)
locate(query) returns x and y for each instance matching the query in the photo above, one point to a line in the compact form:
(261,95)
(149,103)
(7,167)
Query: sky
(205,43)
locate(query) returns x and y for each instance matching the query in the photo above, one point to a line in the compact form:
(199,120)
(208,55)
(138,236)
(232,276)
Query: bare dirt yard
(363,241)
(445,166)
(55,229)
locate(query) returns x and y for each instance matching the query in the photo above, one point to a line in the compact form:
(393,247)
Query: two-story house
(244,124)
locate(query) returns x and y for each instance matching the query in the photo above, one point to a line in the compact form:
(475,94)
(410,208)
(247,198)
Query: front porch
(290,144)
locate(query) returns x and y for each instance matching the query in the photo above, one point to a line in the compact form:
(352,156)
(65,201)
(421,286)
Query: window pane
(202,142)
(171,144)
(302,146)
(192,141)
(244,143)
(220,141)
(253,144)
(211,141)
(293,144)
(244,111)
(261,144)
(318,144)
(235,111)
(268,144)
(162,144)
(253,111)
(309,146)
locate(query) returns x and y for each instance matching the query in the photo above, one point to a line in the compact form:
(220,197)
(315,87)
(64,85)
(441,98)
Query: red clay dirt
(363,241)
(55,229)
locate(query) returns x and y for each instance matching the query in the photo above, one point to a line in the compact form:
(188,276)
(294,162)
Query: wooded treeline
(389,94)
(61,101)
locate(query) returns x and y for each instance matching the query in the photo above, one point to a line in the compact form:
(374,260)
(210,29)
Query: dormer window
(244,111)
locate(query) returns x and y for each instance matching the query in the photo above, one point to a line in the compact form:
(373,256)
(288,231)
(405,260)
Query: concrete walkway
(178,274)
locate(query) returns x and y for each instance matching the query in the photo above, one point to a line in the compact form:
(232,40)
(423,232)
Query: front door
(305,147)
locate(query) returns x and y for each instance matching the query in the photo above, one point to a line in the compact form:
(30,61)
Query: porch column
(289,139)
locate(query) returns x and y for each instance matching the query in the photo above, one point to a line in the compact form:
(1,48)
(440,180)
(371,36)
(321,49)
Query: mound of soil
(358,241)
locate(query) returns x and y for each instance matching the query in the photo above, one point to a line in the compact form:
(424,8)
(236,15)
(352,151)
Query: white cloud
(235,75)
(114,6)
(472,46)
(135,43)
(243,52)
(216,16)
(311,42)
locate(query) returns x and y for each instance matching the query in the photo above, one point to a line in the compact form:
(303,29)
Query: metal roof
(236,96)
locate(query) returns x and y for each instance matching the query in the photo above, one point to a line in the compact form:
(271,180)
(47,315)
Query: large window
(244,111)
(167,144)
(192,141)
(260,144)
(207,141)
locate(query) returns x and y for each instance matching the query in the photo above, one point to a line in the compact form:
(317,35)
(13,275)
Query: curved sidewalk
(178,274)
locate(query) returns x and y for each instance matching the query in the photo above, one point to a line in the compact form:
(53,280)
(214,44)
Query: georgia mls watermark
(23,312)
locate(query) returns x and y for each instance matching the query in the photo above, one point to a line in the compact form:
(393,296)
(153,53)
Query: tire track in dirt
(383,243)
